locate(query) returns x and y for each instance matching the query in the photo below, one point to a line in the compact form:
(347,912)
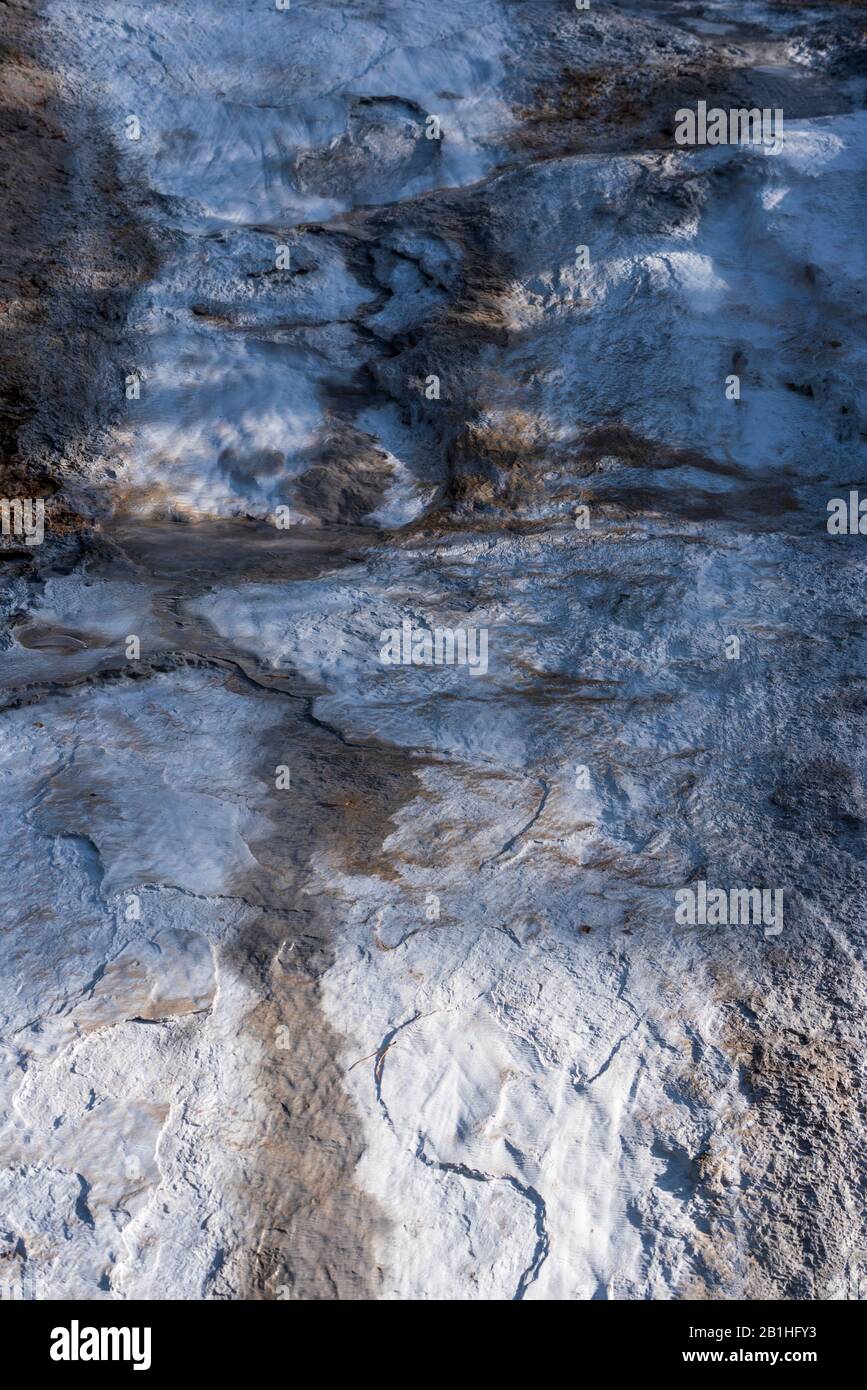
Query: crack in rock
(546,791)
(540,1253)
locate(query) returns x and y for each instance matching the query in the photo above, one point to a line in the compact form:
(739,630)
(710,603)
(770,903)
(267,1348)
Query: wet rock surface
(330,978)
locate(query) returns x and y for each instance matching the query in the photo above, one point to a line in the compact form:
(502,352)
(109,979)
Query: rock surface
(329,978)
